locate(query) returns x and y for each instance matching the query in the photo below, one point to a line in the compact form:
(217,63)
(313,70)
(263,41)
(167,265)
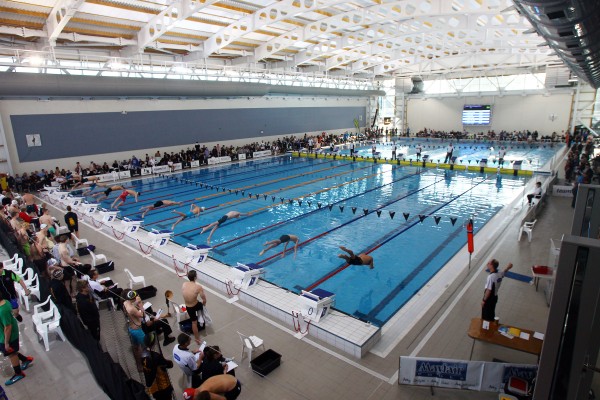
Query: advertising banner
(461,374)
(160,169)
(263,153)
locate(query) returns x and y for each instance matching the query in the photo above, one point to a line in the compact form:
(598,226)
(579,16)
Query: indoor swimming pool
(411,220)
(467,152)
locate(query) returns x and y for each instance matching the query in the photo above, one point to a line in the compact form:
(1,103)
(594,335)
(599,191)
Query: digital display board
(477,114)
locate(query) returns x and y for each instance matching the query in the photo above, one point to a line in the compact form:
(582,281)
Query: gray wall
(80,134)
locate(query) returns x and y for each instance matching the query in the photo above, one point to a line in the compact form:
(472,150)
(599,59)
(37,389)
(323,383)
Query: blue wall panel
(84,134)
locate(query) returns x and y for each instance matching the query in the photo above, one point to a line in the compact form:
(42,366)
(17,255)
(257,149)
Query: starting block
(377,155)
(75,201)
(197,253)
(517,167)
(483,162)
(425,158)
(89,208)
(246,275)
(108,215)
(61,195)
(160,238)
(131,224)
(50,189)
(316,304)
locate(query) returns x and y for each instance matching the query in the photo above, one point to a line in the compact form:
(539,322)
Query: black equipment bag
(105,267)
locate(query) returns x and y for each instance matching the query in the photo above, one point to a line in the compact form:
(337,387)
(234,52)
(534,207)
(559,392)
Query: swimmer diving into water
(353,259)
(216,224)
(282,239)
(194,212)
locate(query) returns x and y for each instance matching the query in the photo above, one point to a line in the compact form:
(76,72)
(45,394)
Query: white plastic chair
(47,321)
(528,229)
(11,260)
(249,344)
(177,308)
(98,258)
(29,276)
(15,266)
(34,287)
(99,300)
(135,280)
(79,242)
(96,297)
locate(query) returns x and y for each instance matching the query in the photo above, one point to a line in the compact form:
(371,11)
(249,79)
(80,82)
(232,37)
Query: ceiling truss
(361,38)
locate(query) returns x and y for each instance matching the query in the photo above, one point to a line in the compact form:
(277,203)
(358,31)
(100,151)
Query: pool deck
(313,368)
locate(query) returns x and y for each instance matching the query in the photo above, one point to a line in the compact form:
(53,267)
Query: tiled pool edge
(341,336)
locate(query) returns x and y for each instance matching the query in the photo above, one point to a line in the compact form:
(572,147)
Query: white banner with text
(461,374)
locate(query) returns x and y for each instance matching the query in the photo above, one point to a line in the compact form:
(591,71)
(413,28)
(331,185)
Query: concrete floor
(309,369)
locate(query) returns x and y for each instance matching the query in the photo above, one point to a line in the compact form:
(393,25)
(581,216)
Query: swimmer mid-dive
(82,180)
(282,239)
(353,259)
(194,212)
(109,189)
(158,204)
(119,201)
(216,224)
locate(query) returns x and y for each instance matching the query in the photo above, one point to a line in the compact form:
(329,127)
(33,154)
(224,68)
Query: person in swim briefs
(159,204)
(81,180)
(221,386)
(191,291)
(282,239)
(194,212)
(119,201)
(353,259)
(216,224)
(109,189)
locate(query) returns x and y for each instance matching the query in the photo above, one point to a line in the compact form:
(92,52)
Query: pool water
(372,208)
(468,152)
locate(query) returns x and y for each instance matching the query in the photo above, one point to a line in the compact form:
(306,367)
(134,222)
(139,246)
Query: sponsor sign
(242,156)
(562,191)
(177,166)
(461,374)
(195,163)
(263,153)
(146,171)
(124,174)
(160,169)
(106,177)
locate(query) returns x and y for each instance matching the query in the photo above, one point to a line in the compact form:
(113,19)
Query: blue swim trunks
(137,335)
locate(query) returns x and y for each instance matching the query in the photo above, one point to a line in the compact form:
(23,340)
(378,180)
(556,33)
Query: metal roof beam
(167,19)
(392,11)
(266,16)
(59,17)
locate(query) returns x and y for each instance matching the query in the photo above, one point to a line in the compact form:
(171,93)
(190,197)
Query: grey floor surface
(309,370)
